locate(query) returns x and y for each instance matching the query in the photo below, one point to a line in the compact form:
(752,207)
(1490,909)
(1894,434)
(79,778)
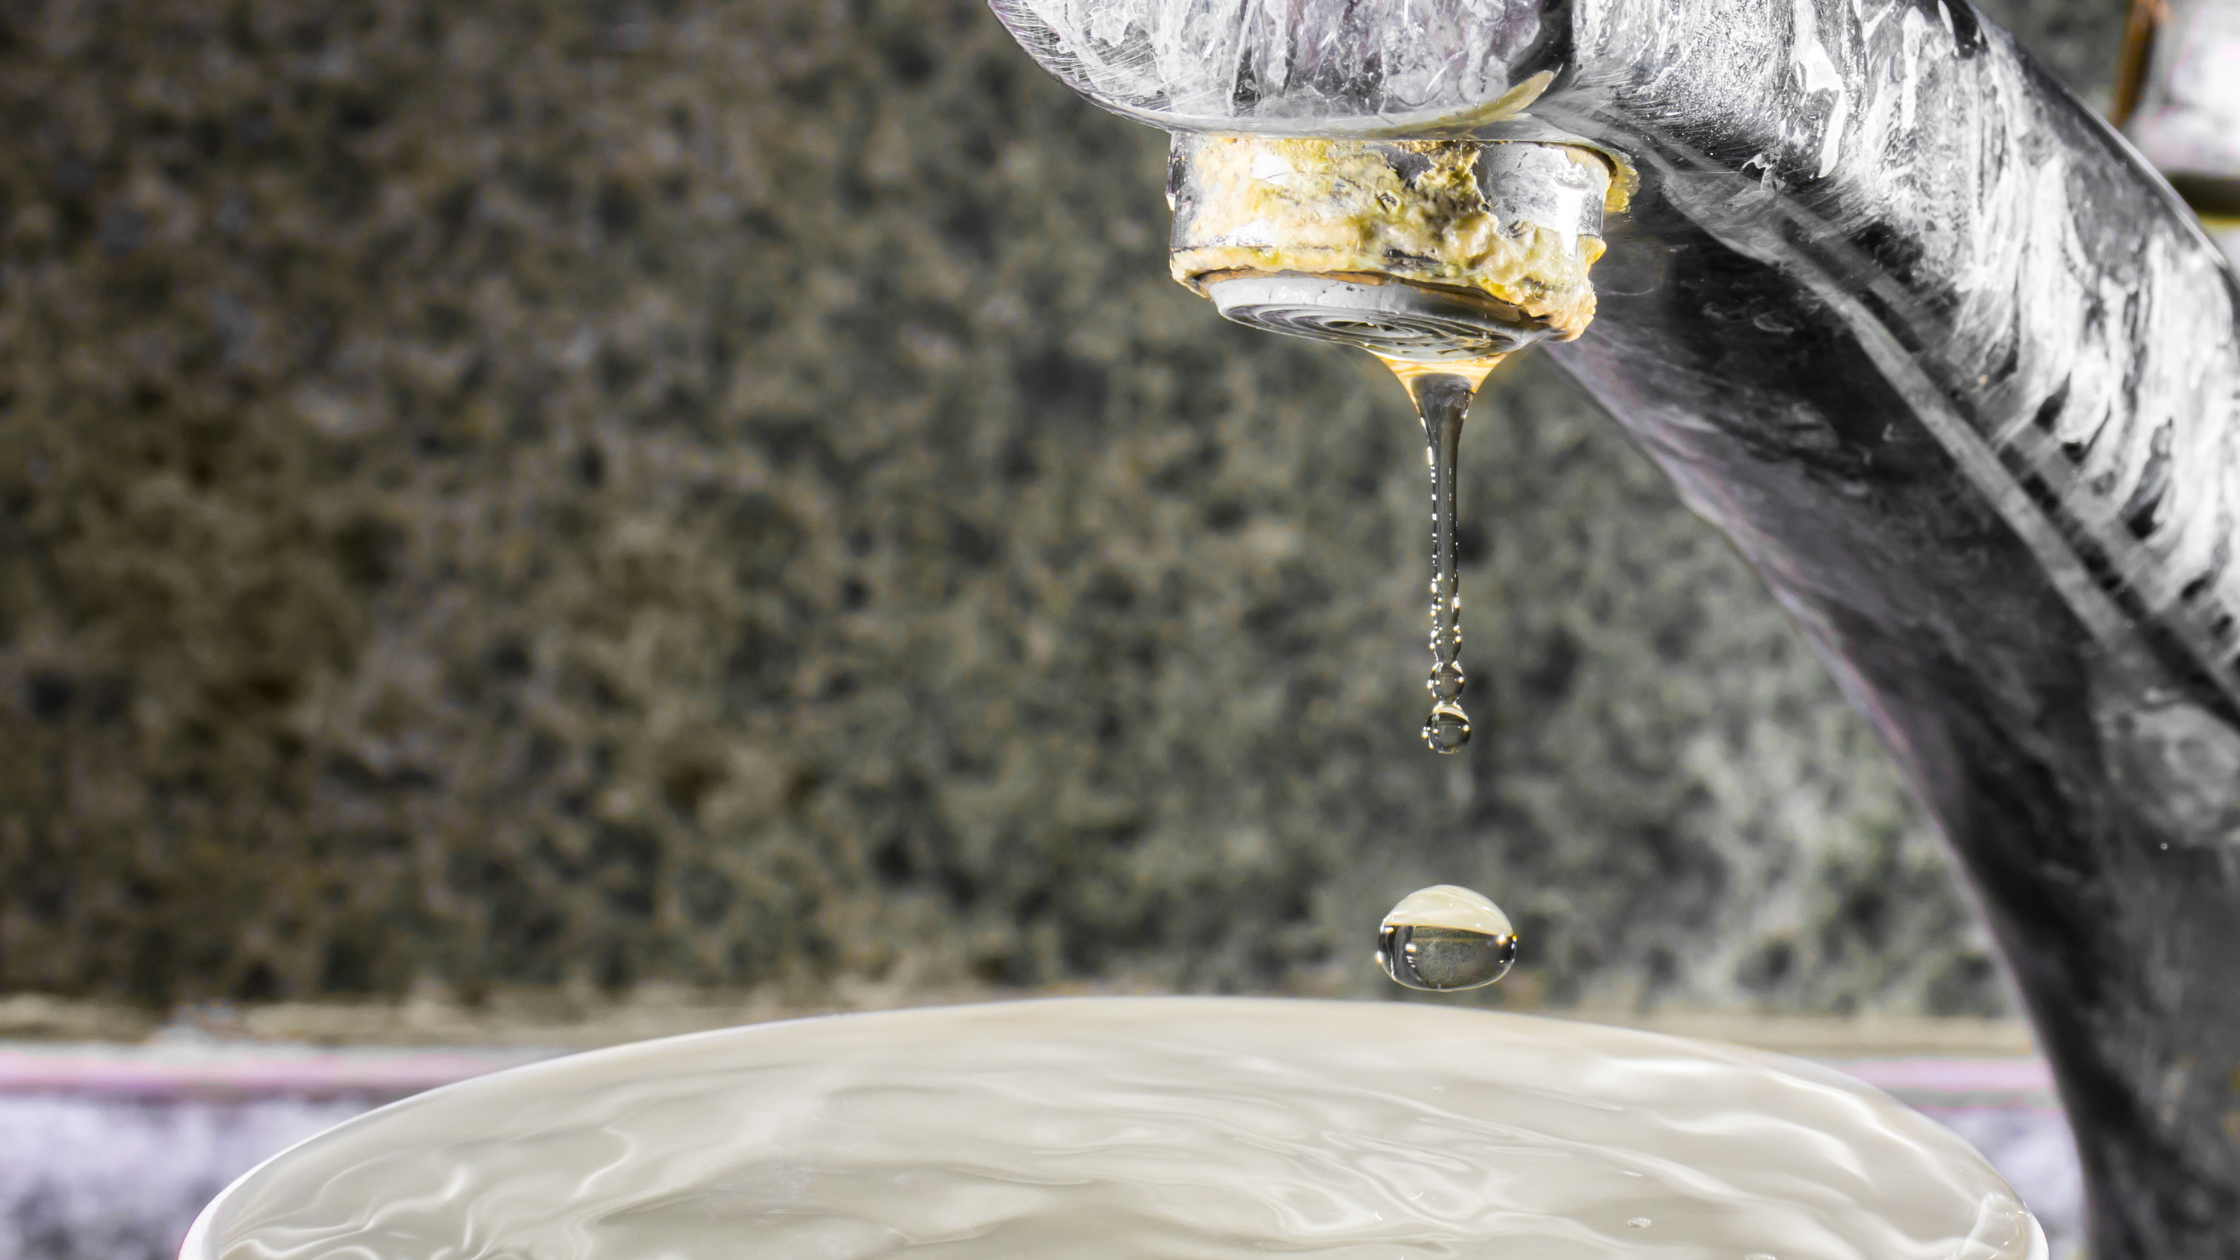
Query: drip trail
(1442,394)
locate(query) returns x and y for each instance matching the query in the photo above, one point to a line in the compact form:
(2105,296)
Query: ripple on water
(1177,1128)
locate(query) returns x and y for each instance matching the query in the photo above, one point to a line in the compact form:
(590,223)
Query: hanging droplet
(1448,727)
(1445,938)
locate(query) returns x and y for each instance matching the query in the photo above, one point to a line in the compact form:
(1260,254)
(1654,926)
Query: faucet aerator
(1401,320)
(1421,251)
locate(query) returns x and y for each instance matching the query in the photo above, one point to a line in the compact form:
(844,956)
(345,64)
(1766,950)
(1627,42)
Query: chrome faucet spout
(1961,378)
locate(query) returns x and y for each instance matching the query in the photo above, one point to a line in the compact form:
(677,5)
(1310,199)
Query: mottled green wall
(508,494)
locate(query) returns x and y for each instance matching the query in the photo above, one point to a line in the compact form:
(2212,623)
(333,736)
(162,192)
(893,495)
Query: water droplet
(1639,1222)
(1446,683)
(1447,729)
(1445,938)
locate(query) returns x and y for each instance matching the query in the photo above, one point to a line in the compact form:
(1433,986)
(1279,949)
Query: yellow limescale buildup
(1324,206)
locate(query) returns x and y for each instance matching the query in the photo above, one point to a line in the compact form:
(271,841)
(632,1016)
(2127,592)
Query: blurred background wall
(523,494)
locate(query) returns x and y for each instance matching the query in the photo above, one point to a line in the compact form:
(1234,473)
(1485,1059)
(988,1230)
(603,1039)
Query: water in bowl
(1168,1128)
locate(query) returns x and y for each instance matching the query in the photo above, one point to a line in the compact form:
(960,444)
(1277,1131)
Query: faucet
(1951,367)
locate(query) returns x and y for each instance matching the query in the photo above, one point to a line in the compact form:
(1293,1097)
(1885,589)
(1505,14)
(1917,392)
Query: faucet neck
(1960,378)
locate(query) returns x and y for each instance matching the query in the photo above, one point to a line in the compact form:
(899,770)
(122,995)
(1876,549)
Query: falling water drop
(1444,938)
(1447,729)
(1442,393)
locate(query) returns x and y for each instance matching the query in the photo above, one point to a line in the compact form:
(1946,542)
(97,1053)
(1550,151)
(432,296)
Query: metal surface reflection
(1958,375)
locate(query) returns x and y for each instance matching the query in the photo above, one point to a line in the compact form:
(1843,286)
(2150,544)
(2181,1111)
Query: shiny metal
(1306,67)
(1961,378)
(1409,322)
(1537,183)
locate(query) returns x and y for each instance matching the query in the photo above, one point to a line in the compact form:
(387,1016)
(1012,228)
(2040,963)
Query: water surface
(1176,1128)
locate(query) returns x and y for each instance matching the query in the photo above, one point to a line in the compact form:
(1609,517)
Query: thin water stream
(1442,393)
